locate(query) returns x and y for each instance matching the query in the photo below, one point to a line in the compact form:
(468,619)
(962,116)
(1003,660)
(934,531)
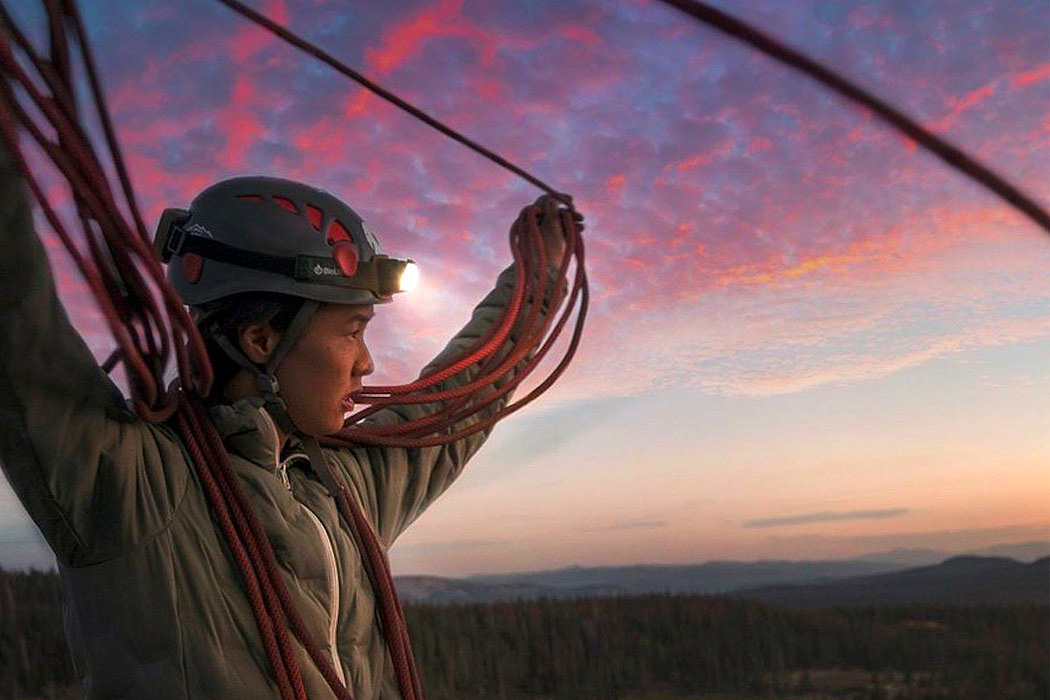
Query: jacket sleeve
(88,472)
(396,484)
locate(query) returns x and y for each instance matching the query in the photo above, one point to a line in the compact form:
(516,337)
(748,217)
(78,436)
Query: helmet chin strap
(265,377)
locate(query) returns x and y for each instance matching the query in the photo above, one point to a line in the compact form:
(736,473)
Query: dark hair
(228,315)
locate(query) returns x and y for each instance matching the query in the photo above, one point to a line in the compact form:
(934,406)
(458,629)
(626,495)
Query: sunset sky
(807,337)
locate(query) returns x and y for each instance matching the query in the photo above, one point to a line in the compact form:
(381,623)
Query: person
(154,606)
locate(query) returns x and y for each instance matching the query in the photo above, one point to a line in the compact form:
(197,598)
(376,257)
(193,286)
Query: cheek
(314,374)
(324,365)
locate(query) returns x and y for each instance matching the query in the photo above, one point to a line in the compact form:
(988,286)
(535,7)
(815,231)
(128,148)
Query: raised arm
(88,472)
(398,484)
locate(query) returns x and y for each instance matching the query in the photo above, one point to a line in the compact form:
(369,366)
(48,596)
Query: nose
(364,365)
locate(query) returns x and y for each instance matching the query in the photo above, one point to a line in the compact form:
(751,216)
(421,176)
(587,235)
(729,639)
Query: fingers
(548,210)
(567,224)
(553,217)
(562,198)
(548,204)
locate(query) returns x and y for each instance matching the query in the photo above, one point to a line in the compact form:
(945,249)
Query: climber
(282,280)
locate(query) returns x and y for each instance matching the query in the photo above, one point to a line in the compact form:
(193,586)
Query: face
(326,363)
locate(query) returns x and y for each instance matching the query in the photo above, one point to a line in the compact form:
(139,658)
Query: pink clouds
(404,41)
(1030,77)
(616,184)
(698,160)
(580,34)
(731,174)
(963,104)
(240,121)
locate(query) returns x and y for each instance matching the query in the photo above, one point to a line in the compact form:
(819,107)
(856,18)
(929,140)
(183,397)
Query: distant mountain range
(579,582)
(762,578)
(957,581)
(1021,551)
(709,577)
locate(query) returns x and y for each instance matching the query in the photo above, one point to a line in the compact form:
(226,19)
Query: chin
(322,425)
(335,424)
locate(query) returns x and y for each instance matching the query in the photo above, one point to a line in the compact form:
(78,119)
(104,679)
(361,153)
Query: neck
(282,437)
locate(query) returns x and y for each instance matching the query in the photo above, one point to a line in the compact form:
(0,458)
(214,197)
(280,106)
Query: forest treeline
(624,647)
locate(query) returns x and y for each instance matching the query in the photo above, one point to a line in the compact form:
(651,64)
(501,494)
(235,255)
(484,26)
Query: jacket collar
(247,431)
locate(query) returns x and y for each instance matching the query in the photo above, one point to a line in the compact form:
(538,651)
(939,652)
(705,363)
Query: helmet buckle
(168,240)
(267,384)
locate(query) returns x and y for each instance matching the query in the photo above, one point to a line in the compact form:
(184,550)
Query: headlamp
(391,275)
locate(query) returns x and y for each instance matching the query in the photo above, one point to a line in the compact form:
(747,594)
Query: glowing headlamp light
(409,277)
(386,276)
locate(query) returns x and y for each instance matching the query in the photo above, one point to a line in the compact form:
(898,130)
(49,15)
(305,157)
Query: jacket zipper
(332,572)
(331,569)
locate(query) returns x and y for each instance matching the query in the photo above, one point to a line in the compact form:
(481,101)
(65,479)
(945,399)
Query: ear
(258,341)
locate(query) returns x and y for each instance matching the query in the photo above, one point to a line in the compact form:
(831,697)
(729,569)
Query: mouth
(348,400)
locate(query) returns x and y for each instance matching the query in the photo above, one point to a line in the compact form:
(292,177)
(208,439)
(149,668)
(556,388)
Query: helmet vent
(286,204)
(337,232)
(250,197)
(314,215)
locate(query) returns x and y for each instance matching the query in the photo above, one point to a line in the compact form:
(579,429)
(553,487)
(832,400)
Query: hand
(552,217)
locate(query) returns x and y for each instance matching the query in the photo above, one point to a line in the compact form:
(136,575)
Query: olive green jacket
(154,607)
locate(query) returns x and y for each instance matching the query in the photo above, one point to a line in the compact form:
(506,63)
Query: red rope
(251,529)
(377,567)
(276,647)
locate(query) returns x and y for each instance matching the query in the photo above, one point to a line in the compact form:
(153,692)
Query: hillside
(957,580)
(708,577)
(965,580)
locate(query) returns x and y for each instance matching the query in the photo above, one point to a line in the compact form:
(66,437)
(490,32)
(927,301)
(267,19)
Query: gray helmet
(265,234)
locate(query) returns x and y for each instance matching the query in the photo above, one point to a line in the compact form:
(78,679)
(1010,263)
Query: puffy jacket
(154,607)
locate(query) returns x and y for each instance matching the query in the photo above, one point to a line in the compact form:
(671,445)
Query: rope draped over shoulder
(152,329)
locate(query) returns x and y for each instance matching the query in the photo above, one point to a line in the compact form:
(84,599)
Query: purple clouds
(712,177)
